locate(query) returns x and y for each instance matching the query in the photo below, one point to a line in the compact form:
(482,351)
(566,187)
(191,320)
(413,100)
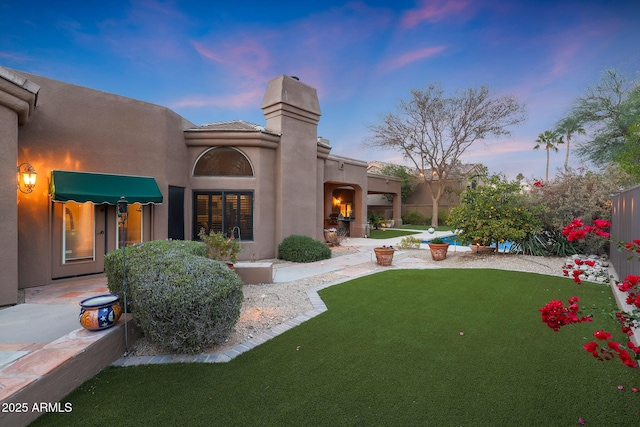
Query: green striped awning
(102,188)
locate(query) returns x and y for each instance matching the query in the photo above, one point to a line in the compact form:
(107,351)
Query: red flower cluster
(612,349)
(575,270)
(577,230)
(633,246)
(630,286)
(556,315)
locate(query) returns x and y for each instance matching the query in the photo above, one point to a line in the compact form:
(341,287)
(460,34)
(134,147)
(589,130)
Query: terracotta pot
(100,312)
(384,256)
(438,251)
(482,249)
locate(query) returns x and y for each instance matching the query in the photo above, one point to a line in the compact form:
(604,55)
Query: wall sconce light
(26,178)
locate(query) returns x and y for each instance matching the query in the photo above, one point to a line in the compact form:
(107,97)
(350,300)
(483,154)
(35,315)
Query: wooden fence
(625,226)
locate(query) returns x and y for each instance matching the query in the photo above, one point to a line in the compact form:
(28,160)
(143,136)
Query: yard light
(123,211)
(431,230)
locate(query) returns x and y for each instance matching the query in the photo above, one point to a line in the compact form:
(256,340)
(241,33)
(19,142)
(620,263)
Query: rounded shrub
(186,303)
(140,255)
(302,249)
(415,218)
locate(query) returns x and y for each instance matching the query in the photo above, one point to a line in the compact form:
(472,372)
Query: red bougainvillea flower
(590,263)
(601,223)
(556,315)
(576,276)
(602,335)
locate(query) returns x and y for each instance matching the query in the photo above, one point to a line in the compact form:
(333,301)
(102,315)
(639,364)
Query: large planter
(384,256)
(480,249)
(100,312)
(438,251)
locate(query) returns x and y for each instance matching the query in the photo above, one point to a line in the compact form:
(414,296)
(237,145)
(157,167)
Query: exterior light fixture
(123,211)
(26,178)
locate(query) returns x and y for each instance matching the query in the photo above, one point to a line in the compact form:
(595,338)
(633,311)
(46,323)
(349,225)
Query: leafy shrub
(302,249)
(579,194)
(415,218)
(545,243)
(186,303)
(376,220)
(138,256)
(494,212)
(410,242)
(221,247)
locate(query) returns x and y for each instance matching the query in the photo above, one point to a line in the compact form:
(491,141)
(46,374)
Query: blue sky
(210,61)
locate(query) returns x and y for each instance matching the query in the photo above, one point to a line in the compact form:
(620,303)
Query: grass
(426,227)
(389,352)
(386,233)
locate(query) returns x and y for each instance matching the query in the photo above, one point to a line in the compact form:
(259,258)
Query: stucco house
(259,183)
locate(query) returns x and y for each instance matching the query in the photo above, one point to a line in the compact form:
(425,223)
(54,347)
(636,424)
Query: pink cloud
(249,98)
(410,57)
(433,11)
(14,56)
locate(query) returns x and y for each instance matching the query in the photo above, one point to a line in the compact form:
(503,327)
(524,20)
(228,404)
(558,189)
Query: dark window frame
(230,215)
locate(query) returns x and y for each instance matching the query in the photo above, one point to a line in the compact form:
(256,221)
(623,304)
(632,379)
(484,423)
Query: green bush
(415,218)
(495,212)
(410,242)
(138,256)
(302,249)
(186,303)
(545,243)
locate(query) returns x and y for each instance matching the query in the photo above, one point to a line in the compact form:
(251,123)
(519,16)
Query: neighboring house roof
(461,170)
(234,125)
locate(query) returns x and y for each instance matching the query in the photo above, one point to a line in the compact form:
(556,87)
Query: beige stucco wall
(260,149)
(76,128)
(81,129)
(291,109)
(8,207)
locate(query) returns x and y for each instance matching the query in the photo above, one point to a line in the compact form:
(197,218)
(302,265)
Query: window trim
(223,194)
(205,152)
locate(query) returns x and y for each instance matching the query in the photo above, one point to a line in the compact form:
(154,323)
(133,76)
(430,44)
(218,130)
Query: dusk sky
(210,61)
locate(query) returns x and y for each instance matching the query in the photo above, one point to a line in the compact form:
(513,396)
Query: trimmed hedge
(137,256)
(415,218)
(302,249)
(186,303)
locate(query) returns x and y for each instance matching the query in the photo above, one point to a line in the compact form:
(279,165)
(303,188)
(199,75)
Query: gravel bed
(268,305)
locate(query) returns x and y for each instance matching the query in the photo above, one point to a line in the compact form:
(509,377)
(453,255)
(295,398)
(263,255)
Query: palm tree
(549,139)
(569,126)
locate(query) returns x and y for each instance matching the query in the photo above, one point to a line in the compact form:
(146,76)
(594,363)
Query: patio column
(17,101)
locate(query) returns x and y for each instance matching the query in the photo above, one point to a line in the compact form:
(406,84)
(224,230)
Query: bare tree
(433,130)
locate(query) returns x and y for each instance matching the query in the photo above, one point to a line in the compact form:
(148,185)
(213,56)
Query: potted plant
(221,247)
(438,248)
(384,255)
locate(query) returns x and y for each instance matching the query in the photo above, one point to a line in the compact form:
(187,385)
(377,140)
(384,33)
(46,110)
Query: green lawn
(386,233)
(426,227)
(389,352)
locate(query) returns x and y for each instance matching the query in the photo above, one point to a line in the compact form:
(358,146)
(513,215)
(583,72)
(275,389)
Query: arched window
(223,161)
